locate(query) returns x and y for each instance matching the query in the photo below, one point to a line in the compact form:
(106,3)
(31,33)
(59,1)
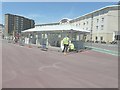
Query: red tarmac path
(24,67)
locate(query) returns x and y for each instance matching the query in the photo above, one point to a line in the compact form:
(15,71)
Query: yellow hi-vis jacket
(65,40)
(71,46)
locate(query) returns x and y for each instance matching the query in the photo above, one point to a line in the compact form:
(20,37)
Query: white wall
(110,23)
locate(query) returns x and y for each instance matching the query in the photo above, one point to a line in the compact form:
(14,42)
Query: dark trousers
(65,48)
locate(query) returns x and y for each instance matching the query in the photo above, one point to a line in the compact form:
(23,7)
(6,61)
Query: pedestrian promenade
(107,49)
(103,48)
(25,67)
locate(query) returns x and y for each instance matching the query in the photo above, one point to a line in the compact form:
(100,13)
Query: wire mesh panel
(78,45)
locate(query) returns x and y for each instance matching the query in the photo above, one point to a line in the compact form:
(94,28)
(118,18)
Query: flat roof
(19,16)
(56,28)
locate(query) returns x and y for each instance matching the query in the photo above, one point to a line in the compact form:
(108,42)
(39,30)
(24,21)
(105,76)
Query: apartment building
(15,24)
(102,23)
(1,28)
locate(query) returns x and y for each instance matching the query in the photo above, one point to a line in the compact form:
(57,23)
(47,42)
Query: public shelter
(51,35)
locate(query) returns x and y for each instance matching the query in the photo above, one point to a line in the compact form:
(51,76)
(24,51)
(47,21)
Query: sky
(47,12)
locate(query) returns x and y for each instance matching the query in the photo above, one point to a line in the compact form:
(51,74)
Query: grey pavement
(24,67)
(112,47)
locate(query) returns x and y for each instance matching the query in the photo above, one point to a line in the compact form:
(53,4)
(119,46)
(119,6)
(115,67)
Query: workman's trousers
(65,48)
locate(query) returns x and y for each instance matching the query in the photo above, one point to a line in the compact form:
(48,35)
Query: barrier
(79,45)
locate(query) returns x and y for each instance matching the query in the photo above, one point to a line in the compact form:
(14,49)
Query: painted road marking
(49,66)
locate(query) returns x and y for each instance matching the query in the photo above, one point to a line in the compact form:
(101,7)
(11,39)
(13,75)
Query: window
(97,20)
(96,13)
(102,26)
(96,38)
(101,38)
(21,19)
(83,23)
(102,19)
(117,37)
(96,27)
(101,12)
(87,22)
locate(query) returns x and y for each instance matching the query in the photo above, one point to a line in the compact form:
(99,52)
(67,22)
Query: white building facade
(102,23)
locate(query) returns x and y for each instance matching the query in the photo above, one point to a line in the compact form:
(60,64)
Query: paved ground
(25,67)
(0,61)
(113,47)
